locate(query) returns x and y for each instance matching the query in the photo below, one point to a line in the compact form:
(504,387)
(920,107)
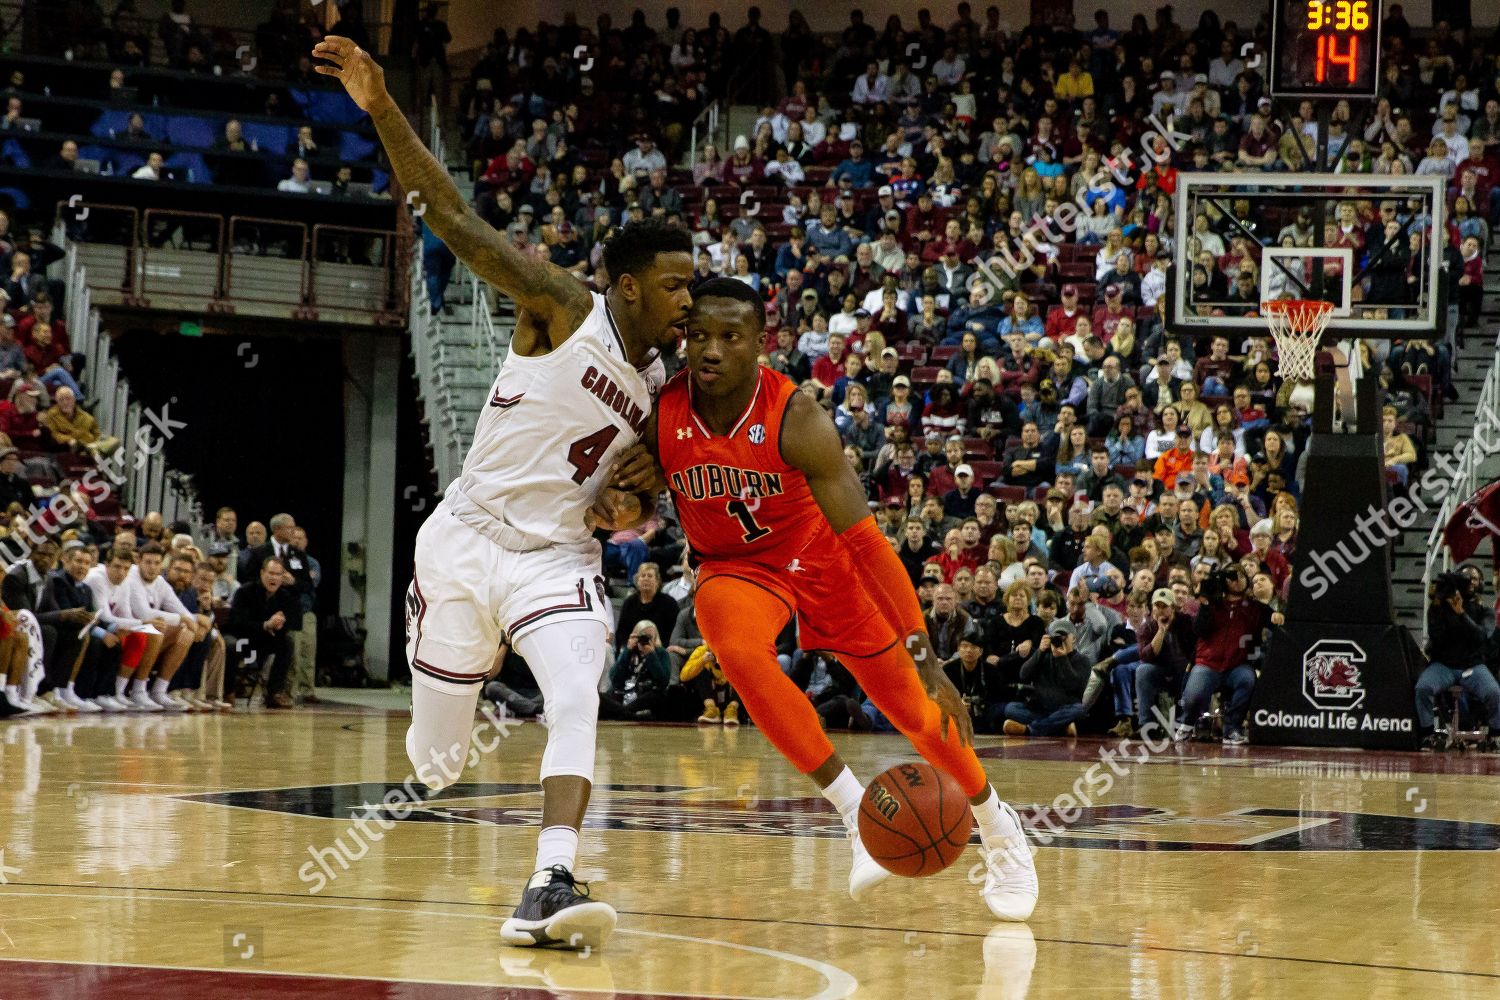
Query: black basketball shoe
(559,913)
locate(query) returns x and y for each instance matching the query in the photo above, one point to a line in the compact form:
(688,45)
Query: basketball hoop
(1297,325)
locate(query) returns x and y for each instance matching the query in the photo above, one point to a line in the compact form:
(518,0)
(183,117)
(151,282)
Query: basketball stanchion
(1341,671)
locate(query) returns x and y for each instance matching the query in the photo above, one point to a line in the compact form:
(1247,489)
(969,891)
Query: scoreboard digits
(1347,15)
(1325,48)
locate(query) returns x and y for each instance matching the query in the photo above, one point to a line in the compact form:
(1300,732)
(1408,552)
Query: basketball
(915,820)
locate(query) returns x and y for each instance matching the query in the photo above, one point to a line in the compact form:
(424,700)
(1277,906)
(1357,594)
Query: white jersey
(544,446)
(156,599)
(114,602)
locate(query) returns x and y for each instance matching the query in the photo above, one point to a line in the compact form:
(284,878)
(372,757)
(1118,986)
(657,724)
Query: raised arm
(549,294)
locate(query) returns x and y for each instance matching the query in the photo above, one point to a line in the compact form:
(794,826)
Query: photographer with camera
(966,670)
(1057,674)
(638,681)
(1230,627)
(1455,651)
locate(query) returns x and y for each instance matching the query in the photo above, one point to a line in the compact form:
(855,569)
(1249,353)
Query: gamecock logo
(1331,676)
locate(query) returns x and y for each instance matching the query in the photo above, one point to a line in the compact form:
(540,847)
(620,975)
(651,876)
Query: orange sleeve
(886,577)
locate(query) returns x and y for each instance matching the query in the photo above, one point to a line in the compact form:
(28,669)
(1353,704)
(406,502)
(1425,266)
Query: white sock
(13,694)
(137,686)
(71,689)
(159,687)
(993,822)
(556,845)
(120,685)
(844,792)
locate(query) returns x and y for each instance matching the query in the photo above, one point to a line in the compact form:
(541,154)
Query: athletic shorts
(468,594)
(835,613)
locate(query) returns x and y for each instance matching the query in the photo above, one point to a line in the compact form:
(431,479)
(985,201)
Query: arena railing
(262,254)
(368,289)
(482,331)
(440,412)
(173,271)
(1460,486)
(114,256)
(150,483)
(204,261)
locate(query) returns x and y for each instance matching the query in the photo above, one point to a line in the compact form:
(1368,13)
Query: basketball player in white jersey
(506,553)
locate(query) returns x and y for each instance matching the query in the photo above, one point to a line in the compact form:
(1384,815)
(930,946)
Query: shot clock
(1325,48)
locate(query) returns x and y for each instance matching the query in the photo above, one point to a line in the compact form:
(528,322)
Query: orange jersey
(735,495)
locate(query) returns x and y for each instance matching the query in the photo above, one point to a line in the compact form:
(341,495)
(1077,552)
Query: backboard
(1381,286)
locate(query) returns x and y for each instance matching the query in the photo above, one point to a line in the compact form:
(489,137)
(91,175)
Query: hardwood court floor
(164,858)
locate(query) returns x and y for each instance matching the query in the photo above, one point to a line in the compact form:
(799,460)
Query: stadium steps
(1459,419)
(464,370)
(739,120)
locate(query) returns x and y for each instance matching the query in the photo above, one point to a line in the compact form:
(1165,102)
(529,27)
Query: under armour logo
(684,433)
(795,566)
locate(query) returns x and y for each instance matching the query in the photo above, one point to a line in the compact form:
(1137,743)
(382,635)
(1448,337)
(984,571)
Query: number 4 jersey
(551,431)
(735,495)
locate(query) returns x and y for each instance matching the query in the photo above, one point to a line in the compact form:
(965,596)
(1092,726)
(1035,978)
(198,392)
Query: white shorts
(469,593)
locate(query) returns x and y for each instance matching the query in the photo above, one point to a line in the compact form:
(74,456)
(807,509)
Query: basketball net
(1297,326)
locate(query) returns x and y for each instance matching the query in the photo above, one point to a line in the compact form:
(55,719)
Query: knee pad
(442,723)
(566,659)
(572,716)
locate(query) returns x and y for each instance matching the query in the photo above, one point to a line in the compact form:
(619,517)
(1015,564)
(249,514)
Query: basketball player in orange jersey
(780,526)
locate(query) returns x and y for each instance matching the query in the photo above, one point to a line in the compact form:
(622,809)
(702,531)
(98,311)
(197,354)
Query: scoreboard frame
(1289,29)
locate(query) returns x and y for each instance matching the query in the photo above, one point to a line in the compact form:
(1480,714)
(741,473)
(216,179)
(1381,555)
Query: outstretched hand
(940,689)
(356,69)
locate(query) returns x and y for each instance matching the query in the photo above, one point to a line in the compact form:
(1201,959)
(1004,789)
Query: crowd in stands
(1088,503)
(148,618)
(292,133)
(1060,472)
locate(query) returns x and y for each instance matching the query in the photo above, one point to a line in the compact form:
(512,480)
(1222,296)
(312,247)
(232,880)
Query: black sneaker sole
(581,926)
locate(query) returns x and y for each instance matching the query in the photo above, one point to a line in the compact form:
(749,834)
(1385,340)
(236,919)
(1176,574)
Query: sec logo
(758,434)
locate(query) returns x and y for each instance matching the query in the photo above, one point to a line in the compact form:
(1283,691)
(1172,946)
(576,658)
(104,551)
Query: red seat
(73,463)
(978,446)
(831,153)
(986,472)
(1009,494)
(1423,384)
(925,373)
(943,353)
(1125,472)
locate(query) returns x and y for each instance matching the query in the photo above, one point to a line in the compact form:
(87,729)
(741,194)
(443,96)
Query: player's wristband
(885,576)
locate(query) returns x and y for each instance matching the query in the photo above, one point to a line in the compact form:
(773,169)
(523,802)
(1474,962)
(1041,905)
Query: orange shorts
(836,614)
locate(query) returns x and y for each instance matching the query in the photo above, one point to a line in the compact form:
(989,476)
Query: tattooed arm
(552,301)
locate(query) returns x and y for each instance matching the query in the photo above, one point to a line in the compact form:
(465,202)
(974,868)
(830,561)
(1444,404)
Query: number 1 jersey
(552,429)
(735,495)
